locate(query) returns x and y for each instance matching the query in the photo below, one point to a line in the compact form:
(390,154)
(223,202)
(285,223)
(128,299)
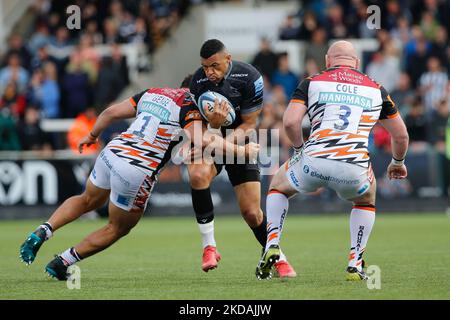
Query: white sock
(70,256)
(207,232)
(277,205)
(362,219)
(48,230)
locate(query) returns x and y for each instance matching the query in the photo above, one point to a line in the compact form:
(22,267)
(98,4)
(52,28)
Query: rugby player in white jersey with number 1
(343,105)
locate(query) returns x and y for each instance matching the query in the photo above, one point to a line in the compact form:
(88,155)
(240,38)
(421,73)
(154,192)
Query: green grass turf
(160,259)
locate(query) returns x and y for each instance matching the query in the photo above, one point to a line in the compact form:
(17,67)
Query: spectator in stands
(417,125)
(266,61)
(42,56)
(112,78)
(384,69)
(308,26)
(394,12)
(284,76)
(317,48)
(402,32)
(403,95)
(141,34)
(335,24)
(440,123)
(9,139)
(90,58)
(381,138)
(93,32)
(39,38)
(14,72)
(311,68)
(45,91)
(433,84)
(80,128)
(111,33)
(32,137)
(13,100)
(16,46)
(417,61)
(429,25)
(290,28)
(76,88)
(439,46)
(61,39)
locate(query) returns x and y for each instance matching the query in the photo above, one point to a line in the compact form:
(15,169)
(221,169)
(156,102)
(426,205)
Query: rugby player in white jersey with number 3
(343,105)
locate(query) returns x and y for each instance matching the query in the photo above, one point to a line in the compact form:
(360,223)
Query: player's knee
(252,216)
(118,231)
(200,179)
(90,202)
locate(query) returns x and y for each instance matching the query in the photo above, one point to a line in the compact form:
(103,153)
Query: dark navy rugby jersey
(242,85)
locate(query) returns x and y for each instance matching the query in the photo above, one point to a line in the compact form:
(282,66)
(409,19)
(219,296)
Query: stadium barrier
(32,184)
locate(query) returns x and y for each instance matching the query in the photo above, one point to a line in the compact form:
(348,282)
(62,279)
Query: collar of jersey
(229,69)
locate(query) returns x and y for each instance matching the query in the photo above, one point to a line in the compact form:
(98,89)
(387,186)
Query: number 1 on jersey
(140,133)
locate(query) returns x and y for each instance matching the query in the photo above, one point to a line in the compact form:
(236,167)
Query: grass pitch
(161,258)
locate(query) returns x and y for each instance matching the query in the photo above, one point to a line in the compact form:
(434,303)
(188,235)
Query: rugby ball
(206,105)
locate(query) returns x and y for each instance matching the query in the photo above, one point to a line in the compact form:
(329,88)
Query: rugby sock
(204,213)
(260,232)
(47,228)
(362,219)
(70,256)
(277,205)
(207,232)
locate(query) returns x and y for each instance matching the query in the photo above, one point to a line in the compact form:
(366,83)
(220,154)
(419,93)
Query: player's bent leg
(200,177)
(92,198)
(120,223)
(362,219)
(276,205)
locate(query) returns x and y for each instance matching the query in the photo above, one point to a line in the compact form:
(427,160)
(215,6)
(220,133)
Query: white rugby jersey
(343,106)
(160,114)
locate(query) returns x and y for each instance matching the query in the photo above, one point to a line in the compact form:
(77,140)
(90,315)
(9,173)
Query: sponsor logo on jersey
(347,76)
(123,200)
(239,75)
(294,179)
(259,86)
(363,188)
(155,109)
(345,98)
(320,176)
(306,169)
(193,115)
(202,80)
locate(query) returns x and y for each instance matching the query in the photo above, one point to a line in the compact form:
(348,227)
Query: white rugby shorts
(130,187)
(307,174)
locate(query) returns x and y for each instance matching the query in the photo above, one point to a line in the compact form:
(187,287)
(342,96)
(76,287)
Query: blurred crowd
(56,72)
(412,62)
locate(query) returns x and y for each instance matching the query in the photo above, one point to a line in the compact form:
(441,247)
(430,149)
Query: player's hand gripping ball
(206,106)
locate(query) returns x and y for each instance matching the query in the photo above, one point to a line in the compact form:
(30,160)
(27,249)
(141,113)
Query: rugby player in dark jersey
(243,86)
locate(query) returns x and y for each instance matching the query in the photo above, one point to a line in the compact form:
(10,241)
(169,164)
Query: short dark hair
(186,81)
(211,47)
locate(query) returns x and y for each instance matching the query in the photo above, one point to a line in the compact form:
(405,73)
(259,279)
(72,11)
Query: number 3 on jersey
(341,118)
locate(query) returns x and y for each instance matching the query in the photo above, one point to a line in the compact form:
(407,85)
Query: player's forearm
(103,121)
(222,146)
(293,129)
(400,145)
(241,132)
